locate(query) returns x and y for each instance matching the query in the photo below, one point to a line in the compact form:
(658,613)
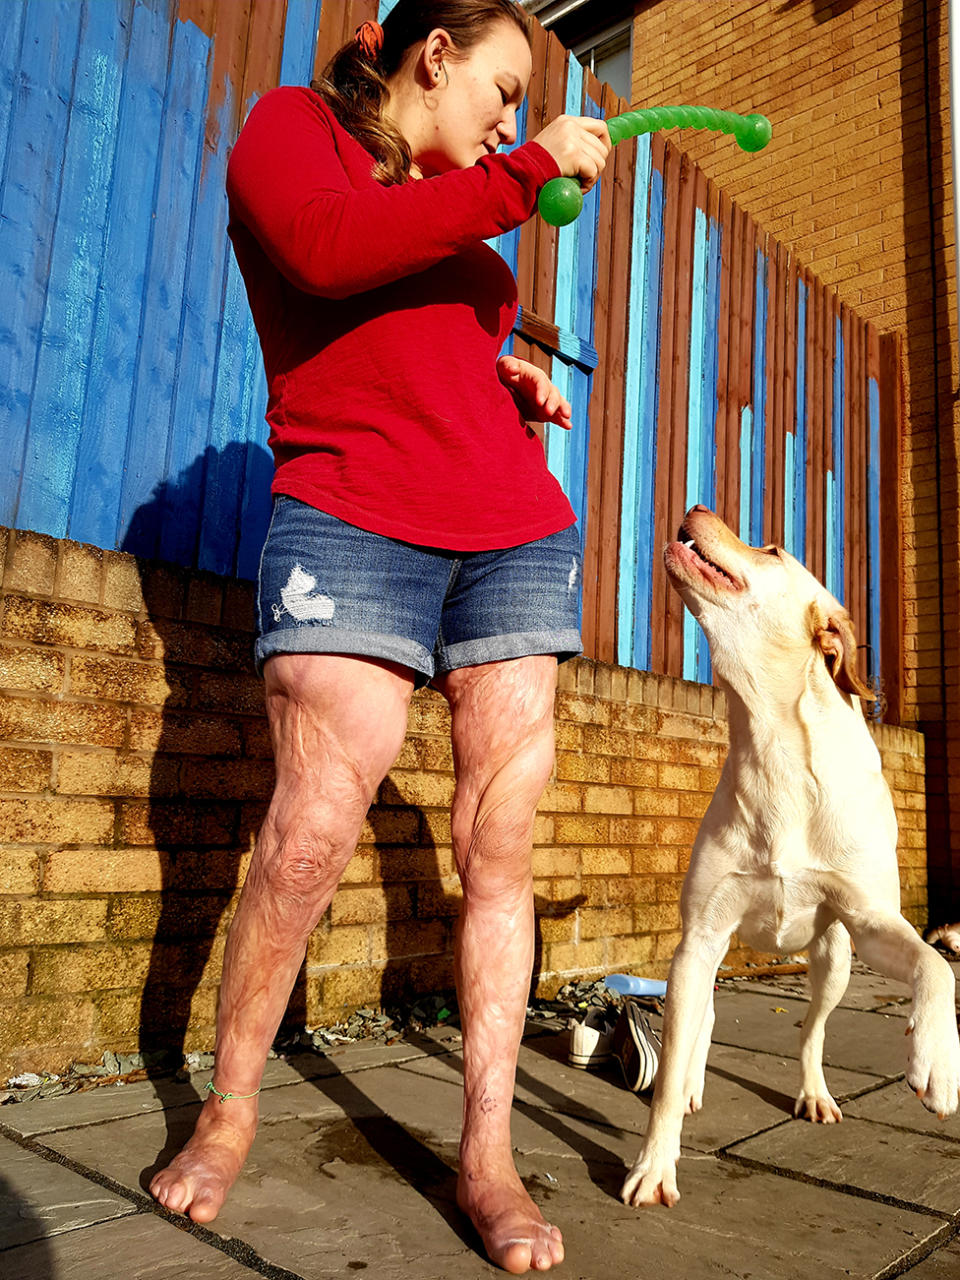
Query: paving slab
(942,1265)
(366,1182)
(867,990)
(896,1105)
(141,1247)
(916,1169)
(110,1102)
(759,1227)
(860,1041)
(40,1198)
(353,1167)
(745,1091)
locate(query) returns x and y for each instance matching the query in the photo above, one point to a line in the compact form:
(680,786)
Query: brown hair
(354,85)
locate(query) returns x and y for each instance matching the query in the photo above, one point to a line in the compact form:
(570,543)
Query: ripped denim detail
(301,600)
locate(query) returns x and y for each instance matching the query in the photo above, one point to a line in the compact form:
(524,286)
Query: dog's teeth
(690,543)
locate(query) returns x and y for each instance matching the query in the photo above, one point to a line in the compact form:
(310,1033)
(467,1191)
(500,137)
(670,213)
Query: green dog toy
(561,199)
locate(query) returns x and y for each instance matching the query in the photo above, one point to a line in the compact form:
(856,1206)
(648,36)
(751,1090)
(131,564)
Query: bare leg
(887,943)
(337,725)
(653,1178)
(829,975)
(502,727)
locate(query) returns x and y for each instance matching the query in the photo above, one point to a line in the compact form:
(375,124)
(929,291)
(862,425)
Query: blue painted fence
(131,389)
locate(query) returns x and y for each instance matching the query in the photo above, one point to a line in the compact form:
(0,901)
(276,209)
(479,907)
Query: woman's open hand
(579,144)
(534,394)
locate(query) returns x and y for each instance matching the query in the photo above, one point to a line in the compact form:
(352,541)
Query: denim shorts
(328,587)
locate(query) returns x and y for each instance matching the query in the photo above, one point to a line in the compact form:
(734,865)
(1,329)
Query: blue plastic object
(626,984)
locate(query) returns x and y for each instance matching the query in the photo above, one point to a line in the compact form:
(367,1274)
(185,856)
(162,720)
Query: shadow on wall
(823,10)
(211,770)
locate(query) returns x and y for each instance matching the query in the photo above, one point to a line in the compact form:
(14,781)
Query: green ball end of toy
(756,137)
(560,201)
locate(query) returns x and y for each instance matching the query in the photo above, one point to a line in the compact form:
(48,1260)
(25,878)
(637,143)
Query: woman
(417,535)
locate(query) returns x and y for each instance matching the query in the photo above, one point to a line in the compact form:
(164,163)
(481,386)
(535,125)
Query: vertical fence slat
(856,526)
(696,486)
(725,337)
(666,420)
(607,406)
(748,294)
(642,407)
(31,199)
(773,450)
(892,410)
(55,420)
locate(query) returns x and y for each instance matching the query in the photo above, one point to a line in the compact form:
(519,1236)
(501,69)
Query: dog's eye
(772,551)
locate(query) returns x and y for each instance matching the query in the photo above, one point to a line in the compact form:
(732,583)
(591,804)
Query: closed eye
(772,551)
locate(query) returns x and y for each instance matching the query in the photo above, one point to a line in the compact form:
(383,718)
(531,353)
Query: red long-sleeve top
(381,314)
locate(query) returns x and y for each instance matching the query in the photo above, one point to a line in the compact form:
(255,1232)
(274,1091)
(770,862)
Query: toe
(517,1258)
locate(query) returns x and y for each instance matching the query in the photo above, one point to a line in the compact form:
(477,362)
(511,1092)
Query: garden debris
(386,1026)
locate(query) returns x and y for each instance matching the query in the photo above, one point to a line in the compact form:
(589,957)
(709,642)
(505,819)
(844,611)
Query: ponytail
(354,82)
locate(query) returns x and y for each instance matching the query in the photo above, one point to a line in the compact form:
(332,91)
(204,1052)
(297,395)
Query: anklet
(211,1087)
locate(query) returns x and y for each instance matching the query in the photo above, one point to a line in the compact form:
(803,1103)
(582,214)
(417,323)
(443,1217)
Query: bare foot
(513,1230)
(196,1181)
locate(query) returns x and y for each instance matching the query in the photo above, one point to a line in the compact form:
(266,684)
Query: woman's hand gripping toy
(561,199)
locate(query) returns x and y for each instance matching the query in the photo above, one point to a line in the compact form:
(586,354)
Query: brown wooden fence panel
(707,365)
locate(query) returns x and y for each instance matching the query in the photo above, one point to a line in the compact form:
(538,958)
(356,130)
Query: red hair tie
(369,36)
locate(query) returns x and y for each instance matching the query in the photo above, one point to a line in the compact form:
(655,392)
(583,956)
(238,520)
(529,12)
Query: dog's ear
(836,641)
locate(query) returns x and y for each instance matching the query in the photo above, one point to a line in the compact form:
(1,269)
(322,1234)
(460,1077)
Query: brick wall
(857,182)
(135,769)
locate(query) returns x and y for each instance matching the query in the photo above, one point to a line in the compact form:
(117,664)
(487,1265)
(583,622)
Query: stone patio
(353,1167)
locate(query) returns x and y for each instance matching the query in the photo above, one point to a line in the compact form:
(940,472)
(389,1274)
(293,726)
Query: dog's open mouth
(688,554)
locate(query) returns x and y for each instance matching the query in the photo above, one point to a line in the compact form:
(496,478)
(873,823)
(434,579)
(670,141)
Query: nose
(507,129)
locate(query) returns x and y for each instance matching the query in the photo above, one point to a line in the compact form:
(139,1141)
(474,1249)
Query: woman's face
(470,108)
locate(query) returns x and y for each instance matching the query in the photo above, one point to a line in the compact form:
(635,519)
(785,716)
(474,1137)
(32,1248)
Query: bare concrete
(354,1166)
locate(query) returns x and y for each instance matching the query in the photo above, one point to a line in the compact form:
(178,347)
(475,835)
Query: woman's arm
(289,188)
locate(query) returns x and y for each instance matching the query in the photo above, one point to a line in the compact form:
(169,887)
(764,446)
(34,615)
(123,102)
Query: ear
(836,641)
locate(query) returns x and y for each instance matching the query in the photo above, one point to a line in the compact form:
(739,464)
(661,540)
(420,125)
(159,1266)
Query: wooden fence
(704,364)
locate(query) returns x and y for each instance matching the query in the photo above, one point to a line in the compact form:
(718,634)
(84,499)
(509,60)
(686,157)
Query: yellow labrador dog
(797,849)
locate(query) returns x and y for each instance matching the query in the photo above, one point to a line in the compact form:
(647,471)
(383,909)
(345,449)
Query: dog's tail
(948,935)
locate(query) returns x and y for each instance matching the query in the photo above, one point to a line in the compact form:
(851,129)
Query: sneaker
(637,1046)
(591,1040)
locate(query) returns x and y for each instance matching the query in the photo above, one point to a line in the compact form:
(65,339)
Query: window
(598,32)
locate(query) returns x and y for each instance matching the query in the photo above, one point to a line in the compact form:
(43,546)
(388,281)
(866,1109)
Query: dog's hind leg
(887,943)
(829,975)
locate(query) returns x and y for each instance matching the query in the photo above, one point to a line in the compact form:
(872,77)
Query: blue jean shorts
(328,587)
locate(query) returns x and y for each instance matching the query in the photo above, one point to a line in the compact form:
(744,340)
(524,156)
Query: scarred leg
(502,727)
(337,725)
(829,974)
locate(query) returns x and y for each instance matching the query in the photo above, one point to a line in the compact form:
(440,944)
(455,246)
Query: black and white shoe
(637,1048)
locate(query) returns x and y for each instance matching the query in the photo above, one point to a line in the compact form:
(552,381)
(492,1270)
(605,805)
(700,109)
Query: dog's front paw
(652,1180)
(817,1106)
(933,1067)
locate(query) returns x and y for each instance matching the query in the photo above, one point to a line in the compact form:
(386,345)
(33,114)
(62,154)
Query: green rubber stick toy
(561,199)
